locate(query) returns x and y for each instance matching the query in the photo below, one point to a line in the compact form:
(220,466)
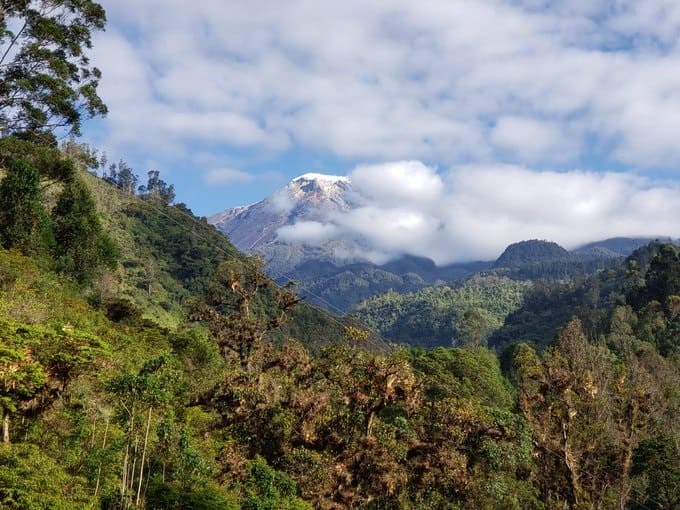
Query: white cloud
(220,176)
(282,202)
(476,211)
(313,233)
(438,80)
(532,140)
(409,181)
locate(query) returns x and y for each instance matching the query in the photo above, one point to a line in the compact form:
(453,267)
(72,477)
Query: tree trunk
(141,464)
(94,432)
(571,462)
(629,441)
(99,471)
(369,423)
(126,461)
(5,426)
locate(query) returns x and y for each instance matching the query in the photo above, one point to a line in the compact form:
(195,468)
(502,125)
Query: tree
(122,176)
(21,379)
(157,189)
(23,220)
(46,79)
(36,364)
(42,153)
(241,306)
(474,327)
(82,247)
(139,395)
(588,411)
(659,459)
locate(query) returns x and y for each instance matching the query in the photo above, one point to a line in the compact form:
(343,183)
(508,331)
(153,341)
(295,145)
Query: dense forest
(465,314)
(145,363)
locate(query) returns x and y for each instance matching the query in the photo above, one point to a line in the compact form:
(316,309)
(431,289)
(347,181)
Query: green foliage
(548,306)
(475,326)
(199,356)
(241,305)
(316,328)
(31,294)
(657,462)
(177,497)
(445,316)
(166,254)
(43,156)
(31,480)
(230,411)
(588,411)
(37,363)
(46,80)
(266,489)
(82,247)
(662,279)
(23,220)
(121,175)
(465,373)
(73,237)
(155,189)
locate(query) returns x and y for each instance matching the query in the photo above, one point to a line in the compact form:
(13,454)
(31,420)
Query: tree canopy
(46,78)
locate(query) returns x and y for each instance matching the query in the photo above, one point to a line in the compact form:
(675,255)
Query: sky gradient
(568,99)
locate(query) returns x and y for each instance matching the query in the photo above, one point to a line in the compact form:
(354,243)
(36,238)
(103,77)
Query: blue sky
(232,99)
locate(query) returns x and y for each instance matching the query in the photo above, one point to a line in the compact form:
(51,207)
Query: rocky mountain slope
(309,198)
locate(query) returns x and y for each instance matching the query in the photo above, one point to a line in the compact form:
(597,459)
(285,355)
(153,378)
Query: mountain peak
(321,177)
(531,251)
(317,193)
(308,201)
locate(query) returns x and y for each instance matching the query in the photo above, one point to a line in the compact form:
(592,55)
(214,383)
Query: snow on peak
(321,177)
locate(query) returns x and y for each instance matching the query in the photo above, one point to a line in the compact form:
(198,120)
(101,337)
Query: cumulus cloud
(474,211)
(313,233)
(219,176)
(449,81)
(281,202)
(409,181)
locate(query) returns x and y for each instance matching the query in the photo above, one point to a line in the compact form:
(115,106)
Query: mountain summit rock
(290,225)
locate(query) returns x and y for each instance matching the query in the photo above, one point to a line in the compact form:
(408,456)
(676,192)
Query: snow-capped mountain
(301,232)
(309,200)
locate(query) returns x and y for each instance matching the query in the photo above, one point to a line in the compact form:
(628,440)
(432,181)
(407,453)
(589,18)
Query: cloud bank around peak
(474,212)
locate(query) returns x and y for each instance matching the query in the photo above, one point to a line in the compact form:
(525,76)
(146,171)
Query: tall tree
(588,411)
(82,247)
(157,189)
(23,220)
(46,79)
(241,306)
(121,175)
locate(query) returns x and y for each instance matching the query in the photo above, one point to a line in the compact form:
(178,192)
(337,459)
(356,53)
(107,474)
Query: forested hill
(457,315)
(167,256)
(530,252)
(544,260)
(646,280)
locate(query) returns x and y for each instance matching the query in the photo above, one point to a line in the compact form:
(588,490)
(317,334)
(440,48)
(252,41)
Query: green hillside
(167,256)
(445,316)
